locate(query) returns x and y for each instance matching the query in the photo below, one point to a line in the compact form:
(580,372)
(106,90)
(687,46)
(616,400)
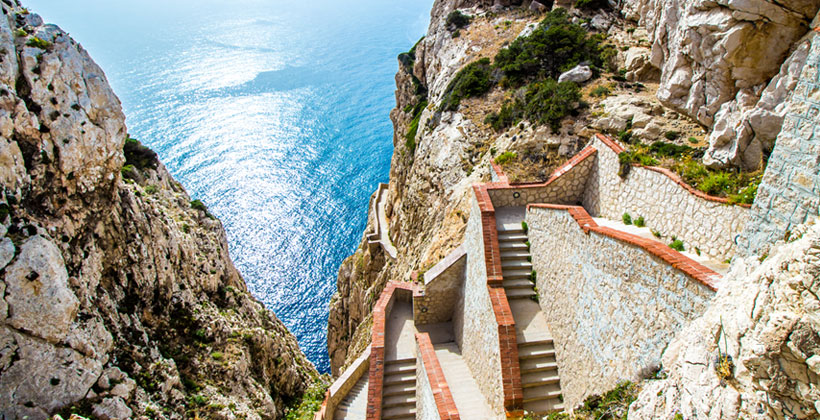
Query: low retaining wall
(668,205)
(565,185)
(381,311)
(433,398)
(381,234)
(442,288)
(613,300)
(483,322)
(342,386)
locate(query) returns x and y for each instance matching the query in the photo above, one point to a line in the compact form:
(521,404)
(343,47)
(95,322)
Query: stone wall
(566,185)
(443,286)
(612,301)
(666,203)
(433,397)
(790,191)
(342,386)
(474,324)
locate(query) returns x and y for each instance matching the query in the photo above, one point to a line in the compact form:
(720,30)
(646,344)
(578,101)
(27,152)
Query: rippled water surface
(272,112)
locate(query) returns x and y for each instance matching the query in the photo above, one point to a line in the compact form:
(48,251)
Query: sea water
(274,113)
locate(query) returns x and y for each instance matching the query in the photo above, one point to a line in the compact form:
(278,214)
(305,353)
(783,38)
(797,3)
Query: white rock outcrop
(766,317)
(577,74)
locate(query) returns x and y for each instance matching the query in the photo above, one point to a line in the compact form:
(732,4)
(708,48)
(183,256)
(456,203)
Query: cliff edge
(119,297)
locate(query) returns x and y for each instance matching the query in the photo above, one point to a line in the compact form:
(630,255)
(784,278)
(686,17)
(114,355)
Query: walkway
(469,400)
(399,392)
(382,227)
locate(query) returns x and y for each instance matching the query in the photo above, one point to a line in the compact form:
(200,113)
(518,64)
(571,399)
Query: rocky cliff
(715,72)
(119,298)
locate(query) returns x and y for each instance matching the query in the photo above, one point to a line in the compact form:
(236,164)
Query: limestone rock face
(578,74)
(745,127)
(113,295)
(766,317)
(709,50)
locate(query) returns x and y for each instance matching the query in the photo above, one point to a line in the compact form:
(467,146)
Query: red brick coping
(674,258)
(671,175)
(508,345)
(504,181)
(376,373)
(435,375)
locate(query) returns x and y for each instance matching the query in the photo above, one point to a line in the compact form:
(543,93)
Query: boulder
(638,65)
(537,6)
(112,409)
(577,74)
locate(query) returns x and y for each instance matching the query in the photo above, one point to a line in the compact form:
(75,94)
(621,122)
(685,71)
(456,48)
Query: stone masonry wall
(666,205)
(425,401)
(443,286)
(790,191)
(565,187)
(474,323)
(612,306)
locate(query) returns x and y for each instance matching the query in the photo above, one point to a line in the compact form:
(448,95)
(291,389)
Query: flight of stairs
(536,358)
(354,405)
(515,266)
(399,392)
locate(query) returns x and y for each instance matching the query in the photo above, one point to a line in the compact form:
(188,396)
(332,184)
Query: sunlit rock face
(116,293)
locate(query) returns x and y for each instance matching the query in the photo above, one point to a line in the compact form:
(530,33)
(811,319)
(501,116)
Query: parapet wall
(434,401)
(474,323)
(613,301)
(790,191)
(443,286)
(667,204)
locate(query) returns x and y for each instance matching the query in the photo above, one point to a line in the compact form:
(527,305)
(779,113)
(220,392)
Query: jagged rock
(600,22)
(709,50)
(112,285)
(39,299)
(537,7)
(578,74)
(112,409)
(765,316)
(746,127)
(638,65)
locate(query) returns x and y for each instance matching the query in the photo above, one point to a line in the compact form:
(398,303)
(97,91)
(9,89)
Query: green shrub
(456,34)
(628,157)
(139,156)
(38,43)
(151,189)
(625,136)
(693,140)
(471,81)
(525,227)
(197,400)
(591,4)
(20,33)
(555,46)
(311,401)
(600,91)
(506,157)
(548,102)
(509,115)
(657,234)
(626,218)
(413,127)
(408,59)
(677,245)
(613,405)
(716,183)
(672,135)
(217,355)
(670,149)
(128,172)
(457,20)
(640,222)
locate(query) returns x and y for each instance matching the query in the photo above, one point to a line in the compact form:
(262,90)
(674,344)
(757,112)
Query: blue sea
(272,112)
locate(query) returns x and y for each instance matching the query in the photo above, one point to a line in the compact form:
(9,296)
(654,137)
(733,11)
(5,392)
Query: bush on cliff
(471,81)
(556,46)
(139,156)
(546,102)
(457,20)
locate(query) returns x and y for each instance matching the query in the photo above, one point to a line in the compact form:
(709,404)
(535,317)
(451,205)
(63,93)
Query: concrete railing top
(441,266)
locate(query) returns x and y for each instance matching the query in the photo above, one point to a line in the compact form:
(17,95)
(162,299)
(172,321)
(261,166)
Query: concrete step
(511,229)
(511,274)
(542,392)
(513,246)
(541,364)
(536,343)
(511,237)
(399,368)
(399,389)
(409,360)
(516,265)
(547,405)
(517,284)
(403,378)
(535,352)
(398,413)
(519,293)
(399,400)
(529,380)
(515,255)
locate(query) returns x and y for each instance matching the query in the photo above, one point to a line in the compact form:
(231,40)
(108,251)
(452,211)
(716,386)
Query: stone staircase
(354,405)
(399,392)
(536,353)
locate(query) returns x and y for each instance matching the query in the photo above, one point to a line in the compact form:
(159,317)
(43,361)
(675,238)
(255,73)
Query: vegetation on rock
(471,81)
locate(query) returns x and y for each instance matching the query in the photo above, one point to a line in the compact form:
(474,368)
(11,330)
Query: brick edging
(376,372)
(609,141)
(561,170)
(445,404)
(688,266)
(507,342)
